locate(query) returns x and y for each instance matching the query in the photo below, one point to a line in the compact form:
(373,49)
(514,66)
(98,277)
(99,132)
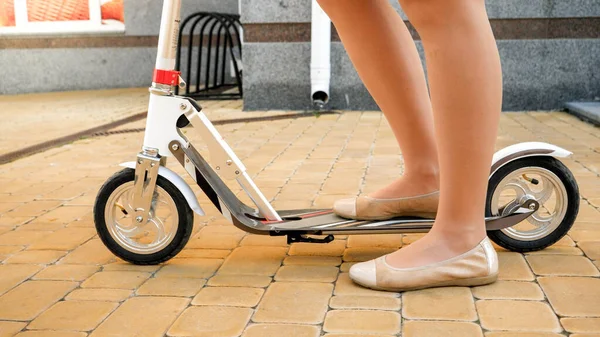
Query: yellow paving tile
(591,249)
(434,304)
(362,321)
(562,265)
(190,268)
(380,240)
(31,298)
(522,334)
(501,290)
(253,261)
(152,316)
(12,275)
(204,253)
(93,294)
(66,272)
(517,316)
(293,302)
(334,248)
(264,240)
(116,280)
(64,239)
(229,296)
(169,286)
(49,333)
(436,328)
(300,273)
(512,266)
(23,238)
(36,256)
(278,330)
(570,296)
(312,260)
(365,302)
(73,315)
(9,329)
(581,325)
(211,321)
(239,281)
(91,252)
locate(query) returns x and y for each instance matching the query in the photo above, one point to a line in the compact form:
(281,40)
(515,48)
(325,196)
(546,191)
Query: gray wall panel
(142,17)
(261,11)
(538,74)
(42,70)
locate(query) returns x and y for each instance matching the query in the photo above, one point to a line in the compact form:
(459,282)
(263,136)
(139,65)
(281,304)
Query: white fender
(527,149)
(181,185)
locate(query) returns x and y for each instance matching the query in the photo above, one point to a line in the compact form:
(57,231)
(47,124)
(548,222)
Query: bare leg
(386,59)
(466,93)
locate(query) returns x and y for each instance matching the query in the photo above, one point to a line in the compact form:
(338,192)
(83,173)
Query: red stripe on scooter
(310,215)
(166,77)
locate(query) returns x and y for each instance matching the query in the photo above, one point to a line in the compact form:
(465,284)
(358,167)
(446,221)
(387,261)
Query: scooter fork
(146,174)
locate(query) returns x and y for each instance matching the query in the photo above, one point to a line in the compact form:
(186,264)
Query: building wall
(550,52)
(41,64)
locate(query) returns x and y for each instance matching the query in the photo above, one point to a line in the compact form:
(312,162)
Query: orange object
(113,10)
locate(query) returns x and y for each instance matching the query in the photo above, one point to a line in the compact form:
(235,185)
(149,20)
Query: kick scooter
(144,213)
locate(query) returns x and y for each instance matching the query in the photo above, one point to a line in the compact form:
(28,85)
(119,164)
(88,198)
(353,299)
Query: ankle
(429,177)
(459,237)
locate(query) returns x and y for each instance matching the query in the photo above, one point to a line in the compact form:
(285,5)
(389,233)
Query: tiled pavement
(58,280)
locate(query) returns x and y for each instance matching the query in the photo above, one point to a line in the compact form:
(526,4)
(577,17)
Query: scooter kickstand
(291,238)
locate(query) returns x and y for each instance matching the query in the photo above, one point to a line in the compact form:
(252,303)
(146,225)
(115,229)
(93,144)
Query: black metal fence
(209,56)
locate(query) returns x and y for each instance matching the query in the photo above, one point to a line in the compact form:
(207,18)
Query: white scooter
(144,213)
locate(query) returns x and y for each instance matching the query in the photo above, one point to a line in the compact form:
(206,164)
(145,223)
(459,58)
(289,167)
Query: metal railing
(208,43)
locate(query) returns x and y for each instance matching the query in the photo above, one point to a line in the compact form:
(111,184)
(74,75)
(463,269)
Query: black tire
(184,226)
(566,177)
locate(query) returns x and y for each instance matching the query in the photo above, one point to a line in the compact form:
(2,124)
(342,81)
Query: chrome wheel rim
(519,186)
(156,234)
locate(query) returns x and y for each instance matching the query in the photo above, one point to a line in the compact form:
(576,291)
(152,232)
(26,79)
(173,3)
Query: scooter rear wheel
(548,181)
(166,232)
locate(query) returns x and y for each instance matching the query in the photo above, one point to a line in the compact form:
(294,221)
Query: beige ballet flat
(367,208)
(476,267)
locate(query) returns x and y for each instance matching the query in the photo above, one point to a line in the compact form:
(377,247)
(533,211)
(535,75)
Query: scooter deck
(311,221)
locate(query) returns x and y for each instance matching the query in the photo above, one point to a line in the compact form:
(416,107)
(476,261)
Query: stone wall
(42,64)
(550,52)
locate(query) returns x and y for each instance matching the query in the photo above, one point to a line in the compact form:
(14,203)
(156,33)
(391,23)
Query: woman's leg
(465,80)
(386,59)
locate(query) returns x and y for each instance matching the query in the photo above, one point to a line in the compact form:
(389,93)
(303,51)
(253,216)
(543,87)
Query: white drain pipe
(320,63)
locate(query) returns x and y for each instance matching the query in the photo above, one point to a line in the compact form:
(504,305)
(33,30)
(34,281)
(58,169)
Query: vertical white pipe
(169,34)
(320,64)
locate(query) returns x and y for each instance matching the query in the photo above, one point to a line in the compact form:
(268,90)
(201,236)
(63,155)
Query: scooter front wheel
(544,179)
(168,229)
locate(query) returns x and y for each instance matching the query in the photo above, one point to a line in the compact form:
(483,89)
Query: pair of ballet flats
(478,266)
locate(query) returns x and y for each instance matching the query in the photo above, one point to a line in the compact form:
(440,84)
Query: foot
(434,247)
(406,196)
(475,266)
(408,186)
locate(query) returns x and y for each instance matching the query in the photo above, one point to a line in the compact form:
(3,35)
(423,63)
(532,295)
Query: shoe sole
(466,282)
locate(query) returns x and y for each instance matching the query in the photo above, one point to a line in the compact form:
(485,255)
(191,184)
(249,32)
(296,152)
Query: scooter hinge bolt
(532,206)
(139,219)
(175,147)
(183,106)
